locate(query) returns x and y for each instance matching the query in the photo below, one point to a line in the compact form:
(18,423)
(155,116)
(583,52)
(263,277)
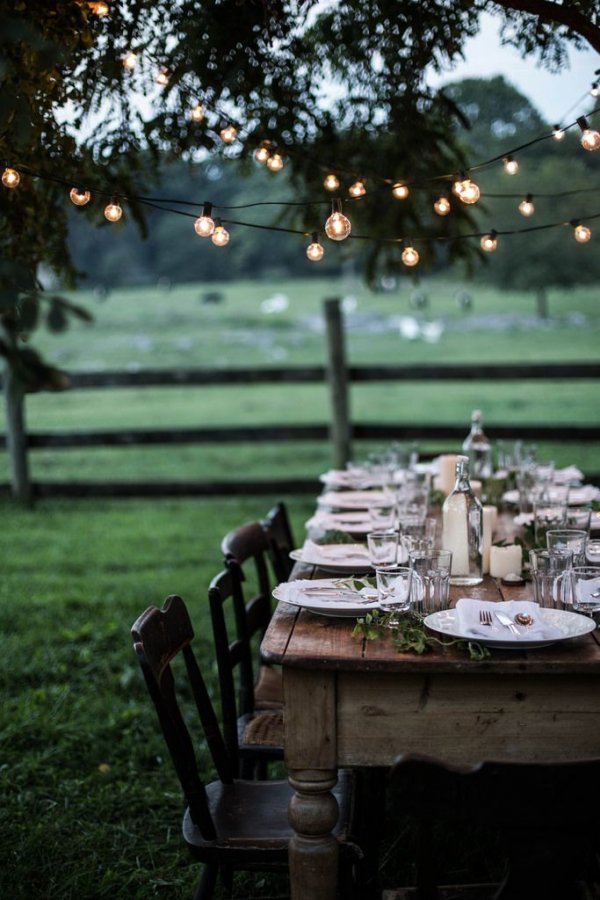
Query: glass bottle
(479,450)
(462,528)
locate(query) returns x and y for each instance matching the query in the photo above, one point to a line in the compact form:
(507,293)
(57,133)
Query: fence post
(337,376)
(16,437)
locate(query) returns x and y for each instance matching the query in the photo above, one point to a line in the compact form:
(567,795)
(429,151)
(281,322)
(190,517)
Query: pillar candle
(475,487)
(505,560)
(447,473)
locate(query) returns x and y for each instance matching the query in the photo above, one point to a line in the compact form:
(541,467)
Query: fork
(504,620)
(485,617)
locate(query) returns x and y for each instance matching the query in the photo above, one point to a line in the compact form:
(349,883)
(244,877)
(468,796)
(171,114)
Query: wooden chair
(229,825)
(544,814)
(276,525)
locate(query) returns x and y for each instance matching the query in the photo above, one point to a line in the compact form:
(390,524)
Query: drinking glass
(585,591)
(431,585)
(383,516)
(413,536)
(592,553)
(394,587)
(579,517)
(546,517)
(383,548)
(568,539)
(550,577)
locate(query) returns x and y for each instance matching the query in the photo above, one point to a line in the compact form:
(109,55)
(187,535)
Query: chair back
(159,636)
(249,544)
(276,525)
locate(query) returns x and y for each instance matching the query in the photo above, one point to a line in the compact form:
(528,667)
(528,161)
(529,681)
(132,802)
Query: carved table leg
(313,854)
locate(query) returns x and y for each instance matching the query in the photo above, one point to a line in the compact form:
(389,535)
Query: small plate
(339,557)
(333,601)
(571,624)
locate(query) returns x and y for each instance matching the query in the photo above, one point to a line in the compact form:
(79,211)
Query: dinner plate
(336,557)
(351,522)
(333,601)
(571,624)
(354,499)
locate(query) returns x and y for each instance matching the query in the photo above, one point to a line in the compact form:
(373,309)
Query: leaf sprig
(409,635)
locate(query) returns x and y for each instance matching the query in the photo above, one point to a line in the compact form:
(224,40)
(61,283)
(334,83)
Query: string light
(261,154)
(164,76)
(357,189)
(113,211)
(275,162)
(410,256)
(197,113)
(331,182)
(442,205)
(205,224)
(220,236)
(400,191)
(130,61)
(526,207)
(99,8)
(10,178)
(337,226)
(558,133)
(467,191)
(315,250)
(228,134)
(489,242)
(581,233)
(79,197)
(590,138)
(511,166)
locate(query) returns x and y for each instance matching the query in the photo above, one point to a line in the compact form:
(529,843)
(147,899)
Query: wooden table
(354,703)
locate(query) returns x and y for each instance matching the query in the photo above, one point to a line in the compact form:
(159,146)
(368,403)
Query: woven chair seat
(264,729)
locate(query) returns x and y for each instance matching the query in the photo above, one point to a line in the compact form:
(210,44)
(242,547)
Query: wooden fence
(340,431)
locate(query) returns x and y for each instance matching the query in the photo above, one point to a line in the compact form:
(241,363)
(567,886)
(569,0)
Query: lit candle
(505,560)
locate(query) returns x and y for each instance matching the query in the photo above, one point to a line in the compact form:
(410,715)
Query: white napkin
(323,592)
(357,522)
(335,554)
(354,499)
(568,475)
(356,478)
(468,620)
(584,494)
(524,519)
(586,588)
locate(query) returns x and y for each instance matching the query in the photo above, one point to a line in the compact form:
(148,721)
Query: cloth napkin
(568,475)
(468,620)
(335,554)
(586,588)
(352,521)
(346,479)
(305,592)
(354,499)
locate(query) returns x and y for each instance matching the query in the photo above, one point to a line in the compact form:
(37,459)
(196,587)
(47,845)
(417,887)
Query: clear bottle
(462,528)
(479,450)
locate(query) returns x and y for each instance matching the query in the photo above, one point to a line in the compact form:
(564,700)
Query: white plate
(351,522)
(354,499)
(334,601)
(339,557)
(571,624)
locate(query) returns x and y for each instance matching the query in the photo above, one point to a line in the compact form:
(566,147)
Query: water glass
(413,536)
(431,585)
(383,516)
(592,553)
(585,591)
(579,517)
(394,585)
(547,517)
(383,548)
(568,539)
(550,577)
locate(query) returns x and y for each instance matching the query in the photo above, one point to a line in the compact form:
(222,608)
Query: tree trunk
(337,377)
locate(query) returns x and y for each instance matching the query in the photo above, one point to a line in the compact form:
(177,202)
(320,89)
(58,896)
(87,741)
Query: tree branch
(553,12)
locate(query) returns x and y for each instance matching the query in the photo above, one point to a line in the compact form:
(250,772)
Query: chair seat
(263,731)
(268,690)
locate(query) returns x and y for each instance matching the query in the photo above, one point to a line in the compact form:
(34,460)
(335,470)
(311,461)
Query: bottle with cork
(462,528)
(477,447)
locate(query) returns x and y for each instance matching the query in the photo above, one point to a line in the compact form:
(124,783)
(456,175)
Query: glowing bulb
(442,206)
(400,191)
(261,154)
(79,197)
(315,251)
(275,162)
(526,207)
(220,236)
(357,189)
(197,113)
(469,192)
(331,183)
(130,60)
(489,242)
(99,8)
(337,226)
(163,77)
(582,234)
(228,134)
(410,257)
(511,166)
(590,138)
(595,89)
(558,133)
(113,211)
(205,224)
(10,178)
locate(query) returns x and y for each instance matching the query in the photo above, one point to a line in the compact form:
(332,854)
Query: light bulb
(205,224)
(410,257)
(469,192)
(197,113)
(337,226)
(331,183)
(315,251)
(163,77)
(99,8)
(275,162)
(590,138)
(442,205)
(79,197)
(220,236)
(357,189)
(489,242)
(261,154)
(582,234)
(595,89)
(228,134)
(113,211)
(526,207)
(10,178)
(558,133)
(511,166)
(400,191)
(130,61)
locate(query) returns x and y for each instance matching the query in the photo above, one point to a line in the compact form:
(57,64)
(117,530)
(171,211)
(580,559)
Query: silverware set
(485,618)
